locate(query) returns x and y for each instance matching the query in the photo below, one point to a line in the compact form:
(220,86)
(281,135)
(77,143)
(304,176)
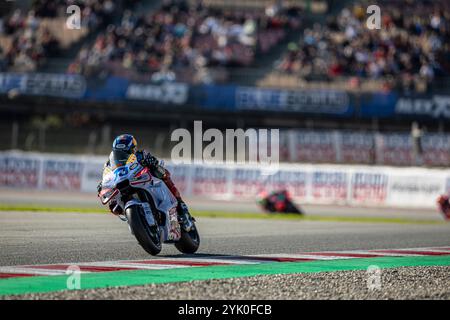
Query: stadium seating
(179,39)
(28,38)
(410,49)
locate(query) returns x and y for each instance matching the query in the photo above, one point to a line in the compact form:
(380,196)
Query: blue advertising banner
(230,98)
(378,105)
(43,84)
(302,101)
(215,97)
(437,106)
(112,89)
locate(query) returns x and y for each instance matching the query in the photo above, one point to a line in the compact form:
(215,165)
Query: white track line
(380,254)
(137,266)
(302,256)
(44,272)
(216,259)
(146,264)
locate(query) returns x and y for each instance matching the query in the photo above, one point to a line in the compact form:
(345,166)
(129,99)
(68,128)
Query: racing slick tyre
(147,236)
(292,208)
(189,241)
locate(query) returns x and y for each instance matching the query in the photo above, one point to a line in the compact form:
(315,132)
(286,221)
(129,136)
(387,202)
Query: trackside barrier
(314,184)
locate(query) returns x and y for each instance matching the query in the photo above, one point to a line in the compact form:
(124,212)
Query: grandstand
(308,67)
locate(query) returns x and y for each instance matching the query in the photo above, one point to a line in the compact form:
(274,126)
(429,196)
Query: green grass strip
(54,209)
(231,215)
(141,277)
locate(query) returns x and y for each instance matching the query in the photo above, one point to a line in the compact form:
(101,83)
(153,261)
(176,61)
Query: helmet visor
(118,158)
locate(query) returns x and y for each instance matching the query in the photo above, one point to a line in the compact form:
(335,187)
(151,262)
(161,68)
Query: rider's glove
(149,161)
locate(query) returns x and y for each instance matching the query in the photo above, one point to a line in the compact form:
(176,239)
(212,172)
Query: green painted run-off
(141,277)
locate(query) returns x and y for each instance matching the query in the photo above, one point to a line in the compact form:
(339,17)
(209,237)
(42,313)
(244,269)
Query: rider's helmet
(126,143)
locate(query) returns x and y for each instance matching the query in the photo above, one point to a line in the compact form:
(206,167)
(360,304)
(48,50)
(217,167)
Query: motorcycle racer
(128,144)
(278,201)
(444,205)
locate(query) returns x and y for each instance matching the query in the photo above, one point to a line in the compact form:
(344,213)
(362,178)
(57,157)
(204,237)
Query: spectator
(411,45)
(31,43)
(178,36)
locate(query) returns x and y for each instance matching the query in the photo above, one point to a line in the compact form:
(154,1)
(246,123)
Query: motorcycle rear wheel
(147,236)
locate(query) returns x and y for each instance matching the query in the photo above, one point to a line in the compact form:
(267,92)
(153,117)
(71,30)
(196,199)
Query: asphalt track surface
(41,237)
(47,237)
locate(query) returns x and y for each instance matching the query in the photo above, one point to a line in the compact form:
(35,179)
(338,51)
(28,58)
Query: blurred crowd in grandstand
(412,45)
(27,38)
(185,40)
(180,40)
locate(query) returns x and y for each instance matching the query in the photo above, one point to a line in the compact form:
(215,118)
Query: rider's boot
(184,217)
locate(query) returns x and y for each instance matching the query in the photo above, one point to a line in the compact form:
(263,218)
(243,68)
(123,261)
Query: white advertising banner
(376,186)
(92,174)
(415,189)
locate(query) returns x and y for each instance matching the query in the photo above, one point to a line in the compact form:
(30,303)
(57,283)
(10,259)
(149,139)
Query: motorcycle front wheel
(189,241)
(147,236)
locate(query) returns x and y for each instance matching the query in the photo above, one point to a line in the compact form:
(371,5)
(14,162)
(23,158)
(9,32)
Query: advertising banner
(415,189)
(62,174)
(309,184)
(437,106)
(181,176)
(210,181)
(295,181)
(302,101)
(329,186)
(166,93)
(326,102)
(355,147)
(436,150)
(246,182)
(20,172)
(91,174)
(396,149)
(369,188)
(44,84)
(313,146)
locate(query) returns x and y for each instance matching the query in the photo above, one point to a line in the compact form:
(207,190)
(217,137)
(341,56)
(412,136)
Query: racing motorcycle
(444,206)
(146,204)
(278,201)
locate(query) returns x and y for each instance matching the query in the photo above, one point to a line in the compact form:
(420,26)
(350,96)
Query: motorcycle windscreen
(119,158)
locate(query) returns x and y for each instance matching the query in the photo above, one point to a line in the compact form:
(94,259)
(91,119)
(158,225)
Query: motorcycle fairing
(145,207)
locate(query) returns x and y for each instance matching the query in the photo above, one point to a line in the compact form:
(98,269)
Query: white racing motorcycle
(145,202)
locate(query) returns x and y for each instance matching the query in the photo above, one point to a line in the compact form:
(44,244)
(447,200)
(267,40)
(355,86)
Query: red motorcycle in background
(444,206)
(278,202)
